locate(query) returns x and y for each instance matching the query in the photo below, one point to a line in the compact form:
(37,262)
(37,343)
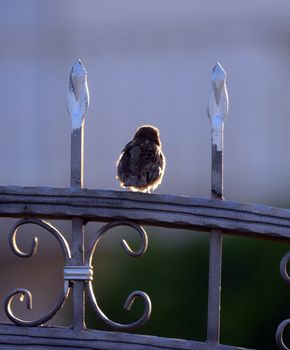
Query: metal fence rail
(32,205)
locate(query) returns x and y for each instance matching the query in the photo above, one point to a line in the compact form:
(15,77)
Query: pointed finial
(78,94)
(218,104)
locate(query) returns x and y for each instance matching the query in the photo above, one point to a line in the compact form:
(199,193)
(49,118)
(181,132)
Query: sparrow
(141,164)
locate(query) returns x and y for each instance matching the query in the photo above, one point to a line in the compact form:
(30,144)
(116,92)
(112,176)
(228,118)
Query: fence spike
(77,103)
(218,104)
(78,94)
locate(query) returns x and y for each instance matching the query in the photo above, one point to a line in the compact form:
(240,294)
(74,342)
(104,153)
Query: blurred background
(149,62)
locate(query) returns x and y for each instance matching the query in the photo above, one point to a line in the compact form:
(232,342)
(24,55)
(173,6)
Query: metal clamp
(84,273)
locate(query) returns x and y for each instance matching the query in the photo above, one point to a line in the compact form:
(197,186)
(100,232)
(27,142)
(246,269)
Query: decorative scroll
(279,335)
(130,300)
(283,268)
(280,330)
(76,273)
(47,226)
(25,294)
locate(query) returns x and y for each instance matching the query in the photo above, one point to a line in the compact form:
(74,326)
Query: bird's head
(148,132)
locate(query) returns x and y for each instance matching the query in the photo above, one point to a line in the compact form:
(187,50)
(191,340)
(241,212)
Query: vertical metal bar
(217,112)
(78,286)
(77,147)
(77,103)
(77,229)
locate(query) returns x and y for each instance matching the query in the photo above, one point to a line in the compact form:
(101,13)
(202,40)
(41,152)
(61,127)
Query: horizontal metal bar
(151,209)
(65,338)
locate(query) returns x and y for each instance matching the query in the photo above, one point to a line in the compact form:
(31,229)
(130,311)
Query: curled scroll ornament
(25,294)
(280,330)
(130,300)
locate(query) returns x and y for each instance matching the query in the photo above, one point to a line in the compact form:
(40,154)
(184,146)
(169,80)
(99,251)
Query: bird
(141,164)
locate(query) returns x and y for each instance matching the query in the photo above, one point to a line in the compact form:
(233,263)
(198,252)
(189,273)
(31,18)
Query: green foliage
(174,273)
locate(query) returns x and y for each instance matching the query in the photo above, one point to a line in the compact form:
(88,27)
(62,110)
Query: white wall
(148,62)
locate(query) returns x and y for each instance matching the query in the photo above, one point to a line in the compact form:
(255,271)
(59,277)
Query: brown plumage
(141,164)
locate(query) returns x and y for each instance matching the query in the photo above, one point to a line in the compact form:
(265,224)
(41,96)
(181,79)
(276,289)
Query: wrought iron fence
(79,205)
